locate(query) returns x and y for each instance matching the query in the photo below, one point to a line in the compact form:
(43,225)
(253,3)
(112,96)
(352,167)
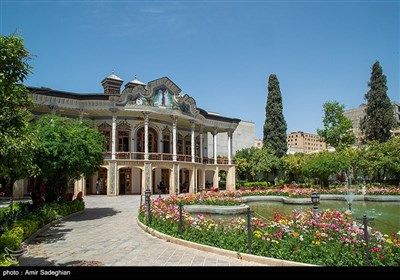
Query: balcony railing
(163,157)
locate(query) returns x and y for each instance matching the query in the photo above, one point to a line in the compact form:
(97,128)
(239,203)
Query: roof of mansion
(159,96)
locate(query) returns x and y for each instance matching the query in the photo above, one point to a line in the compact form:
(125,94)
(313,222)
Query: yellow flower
(257,234)
(389,241)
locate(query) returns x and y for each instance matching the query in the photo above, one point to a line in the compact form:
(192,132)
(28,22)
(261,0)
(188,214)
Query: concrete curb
(216,209)
(291,200)
(47,226)
(227,253)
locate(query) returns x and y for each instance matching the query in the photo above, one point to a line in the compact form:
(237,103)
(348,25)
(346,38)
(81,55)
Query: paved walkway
(106,234)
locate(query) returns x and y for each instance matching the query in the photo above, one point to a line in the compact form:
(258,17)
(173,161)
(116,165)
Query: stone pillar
(112,181)
(147,176)
(175,178)
(231,178)
(80,186)
(216,178)
(18,189)
(229,146)
(192,142)
(53,108)
(81,113)
(174,142)
(203,178)
(192,183)
(171,182)
(146,135)
(214,134)
(113,134)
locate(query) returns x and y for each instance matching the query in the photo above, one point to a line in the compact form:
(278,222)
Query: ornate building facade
(157,137)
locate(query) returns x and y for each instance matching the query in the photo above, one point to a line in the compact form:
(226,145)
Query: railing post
(180,221)
(148,210)
(366,238)
(249,231)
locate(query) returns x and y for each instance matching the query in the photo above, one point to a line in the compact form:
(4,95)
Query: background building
(302,142)
(356,114)
(243,137)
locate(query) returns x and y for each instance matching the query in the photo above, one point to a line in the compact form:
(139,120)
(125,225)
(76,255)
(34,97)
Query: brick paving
(106,234)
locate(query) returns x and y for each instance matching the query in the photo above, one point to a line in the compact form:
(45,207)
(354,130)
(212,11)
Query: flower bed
(330,238)
(27,220)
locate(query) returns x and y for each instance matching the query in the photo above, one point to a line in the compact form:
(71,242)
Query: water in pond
(386,214)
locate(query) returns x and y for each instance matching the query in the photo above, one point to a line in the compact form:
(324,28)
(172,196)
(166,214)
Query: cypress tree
(275,124)
(379,118)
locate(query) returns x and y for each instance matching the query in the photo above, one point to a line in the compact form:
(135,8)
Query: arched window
(188,144)
(166,139)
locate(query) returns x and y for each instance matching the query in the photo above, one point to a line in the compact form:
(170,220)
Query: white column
(146,135)
(132,150)
(193,125)
(229,146)
(174,123)
(81,113)
(201,144)
(160,143)
(215,132)
(113,134)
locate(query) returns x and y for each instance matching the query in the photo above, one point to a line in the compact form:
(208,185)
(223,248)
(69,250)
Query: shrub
(28,219)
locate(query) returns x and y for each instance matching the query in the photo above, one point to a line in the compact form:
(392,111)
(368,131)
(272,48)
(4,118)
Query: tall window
(153,140)
(188,145)
(179,145)
(123,141)
(166,141)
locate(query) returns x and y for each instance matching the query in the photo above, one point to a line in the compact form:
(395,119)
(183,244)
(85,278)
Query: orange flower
(295,234)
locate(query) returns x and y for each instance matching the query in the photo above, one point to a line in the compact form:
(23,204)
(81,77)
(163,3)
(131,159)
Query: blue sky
(219,52)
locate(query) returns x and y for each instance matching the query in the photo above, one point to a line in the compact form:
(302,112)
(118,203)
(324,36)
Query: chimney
(112,84)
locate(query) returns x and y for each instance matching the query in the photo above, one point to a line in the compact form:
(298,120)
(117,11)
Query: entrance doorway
(165,180)
(124,181)
(102,181)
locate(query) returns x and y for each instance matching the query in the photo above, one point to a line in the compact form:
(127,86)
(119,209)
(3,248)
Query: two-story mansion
(156,137)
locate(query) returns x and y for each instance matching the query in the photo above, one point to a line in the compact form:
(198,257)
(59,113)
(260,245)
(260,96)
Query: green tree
(242,160)
(17,142)
(275,124)
(377,160)
(263,162)
(292,165)
(324,164)
(379,119)
(392,149)
(68,149)
(337,130)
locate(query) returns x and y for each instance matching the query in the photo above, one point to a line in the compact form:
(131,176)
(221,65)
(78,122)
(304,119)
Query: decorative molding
(114,110)
(147,172)
(176,177)
(124,125)
(104,126)
(112,177)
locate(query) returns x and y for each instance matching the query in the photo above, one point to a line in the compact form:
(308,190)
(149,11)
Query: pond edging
(216,209)
(242,208)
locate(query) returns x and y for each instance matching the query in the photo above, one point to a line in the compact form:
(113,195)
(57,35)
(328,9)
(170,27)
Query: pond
(386,214)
